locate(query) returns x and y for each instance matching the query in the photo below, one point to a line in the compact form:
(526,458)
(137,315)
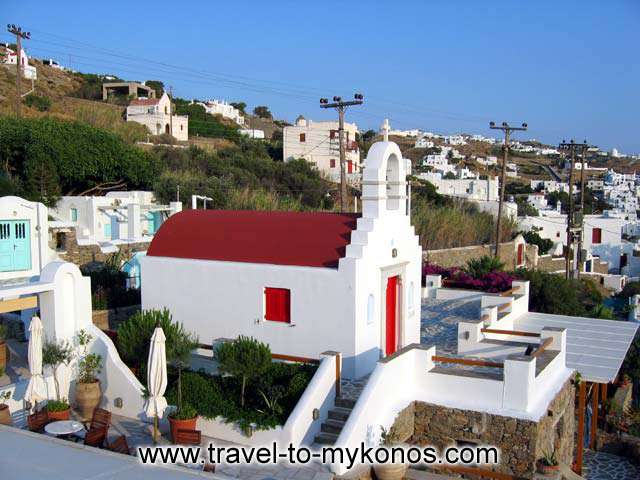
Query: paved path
(439,321)
(606,466)
(139,433)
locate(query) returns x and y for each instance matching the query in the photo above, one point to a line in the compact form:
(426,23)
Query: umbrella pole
(155,429)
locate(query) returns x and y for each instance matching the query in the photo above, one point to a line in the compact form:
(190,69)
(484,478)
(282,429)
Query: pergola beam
(16,304)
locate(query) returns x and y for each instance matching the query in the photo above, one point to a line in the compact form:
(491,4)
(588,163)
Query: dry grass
(456,225)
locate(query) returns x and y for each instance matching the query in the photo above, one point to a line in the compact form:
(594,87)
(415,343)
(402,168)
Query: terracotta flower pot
(548,470)
(88,397)
(5,415)
(4,354)
(62,415)
(392,471)
(175,425)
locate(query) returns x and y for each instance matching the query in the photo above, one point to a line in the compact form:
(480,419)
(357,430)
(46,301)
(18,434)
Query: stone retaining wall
(81,255)
(110,319)
(458,257)
(521,442)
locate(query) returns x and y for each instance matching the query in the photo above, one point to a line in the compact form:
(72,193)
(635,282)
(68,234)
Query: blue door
(107,230)
(15,245)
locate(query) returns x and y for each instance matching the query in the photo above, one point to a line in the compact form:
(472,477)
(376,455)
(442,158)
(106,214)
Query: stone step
(345,402)
(332,426)
(325,438)
(339,413)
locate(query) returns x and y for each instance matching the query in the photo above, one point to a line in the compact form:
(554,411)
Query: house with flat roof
(319,144)
(155,114)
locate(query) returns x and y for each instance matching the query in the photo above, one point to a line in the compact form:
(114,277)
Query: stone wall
(458,257)
(521,442)
(81,255)
(110,319)
(547,263)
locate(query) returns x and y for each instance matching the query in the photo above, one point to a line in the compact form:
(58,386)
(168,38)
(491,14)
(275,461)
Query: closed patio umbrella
(37,388)
(156,378)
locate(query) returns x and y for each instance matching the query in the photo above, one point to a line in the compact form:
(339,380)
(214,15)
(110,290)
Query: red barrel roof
(311,239)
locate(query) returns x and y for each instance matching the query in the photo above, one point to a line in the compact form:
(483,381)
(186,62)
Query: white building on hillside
(549,186)
(24,238)
(311,275)
(154,114)
(487,161)
(221,107)
(9,58)
(117,217)
(424,142)
(538,200)
(455,140)
(319,144)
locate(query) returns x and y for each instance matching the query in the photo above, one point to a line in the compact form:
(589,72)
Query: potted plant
(184,417)
(88,393)
(389,471)
(548,464)
(5,414)
(4,351)
(55,355)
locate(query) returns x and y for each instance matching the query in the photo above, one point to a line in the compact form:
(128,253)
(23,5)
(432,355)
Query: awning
(596,348)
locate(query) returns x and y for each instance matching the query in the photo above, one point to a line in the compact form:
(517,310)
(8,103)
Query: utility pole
(507,135)
(341,106)
(17,31)
(571,148)
(171,111)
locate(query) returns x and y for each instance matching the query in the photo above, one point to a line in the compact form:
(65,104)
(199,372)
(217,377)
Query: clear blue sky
(569,68)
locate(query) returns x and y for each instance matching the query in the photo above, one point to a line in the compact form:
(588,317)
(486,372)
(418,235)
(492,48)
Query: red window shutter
(332,134)
(277,304)
(350,167)
(303,137)
(332,163)
(596,235)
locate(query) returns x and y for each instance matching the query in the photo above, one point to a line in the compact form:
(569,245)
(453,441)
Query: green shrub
(479,267)
(245,358)
(52,157)
(629,290)
(57,405)
(187,412)
(135,333)
(39,102)
(268,405)
(533,238)
(552,293)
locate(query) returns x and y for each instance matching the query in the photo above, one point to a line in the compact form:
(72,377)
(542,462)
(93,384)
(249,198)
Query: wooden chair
(119,445)
(37,421)
(101,418)
(95,437)
(188,437)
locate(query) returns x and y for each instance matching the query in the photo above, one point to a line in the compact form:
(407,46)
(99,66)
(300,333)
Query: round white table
(63,427)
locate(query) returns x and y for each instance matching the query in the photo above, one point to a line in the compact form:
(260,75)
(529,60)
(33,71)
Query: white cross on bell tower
(385,127)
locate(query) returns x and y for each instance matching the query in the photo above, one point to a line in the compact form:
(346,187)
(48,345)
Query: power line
(20,35)
(340,105)
(507,133)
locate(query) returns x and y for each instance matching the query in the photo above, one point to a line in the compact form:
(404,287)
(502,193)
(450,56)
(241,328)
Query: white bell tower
(384,181)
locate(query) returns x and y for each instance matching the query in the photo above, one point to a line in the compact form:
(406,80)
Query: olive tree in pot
(88,392)
(55,355)
(4,351)
(5,414)
(389,471)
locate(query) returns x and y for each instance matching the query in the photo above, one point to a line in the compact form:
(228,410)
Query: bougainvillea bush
(493,282)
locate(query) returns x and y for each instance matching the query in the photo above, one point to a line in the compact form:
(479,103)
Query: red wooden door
(520,254)
(392,314)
